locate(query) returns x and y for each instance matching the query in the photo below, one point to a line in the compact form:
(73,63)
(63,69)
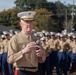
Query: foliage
(42,19)
(9,18)
(50,16)
(22,5)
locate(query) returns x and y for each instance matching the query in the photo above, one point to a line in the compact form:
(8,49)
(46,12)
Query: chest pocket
(23,42)
(21,46)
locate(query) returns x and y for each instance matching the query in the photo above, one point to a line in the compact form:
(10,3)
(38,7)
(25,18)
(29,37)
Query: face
(52,37)
(63,38)
(26,26)
(8,36)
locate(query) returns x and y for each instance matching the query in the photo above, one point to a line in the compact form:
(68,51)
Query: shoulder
(16,36)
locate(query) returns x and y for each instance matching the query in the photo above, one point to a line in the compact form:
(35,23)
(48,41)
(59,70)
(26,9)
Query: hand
(29,47)
(39,53)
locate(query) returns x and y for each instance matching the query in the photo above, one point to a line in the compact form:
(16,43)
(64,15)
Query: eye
(28,21)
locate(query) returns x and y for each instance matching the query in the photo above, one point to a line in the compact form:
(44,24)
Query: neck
(27,33)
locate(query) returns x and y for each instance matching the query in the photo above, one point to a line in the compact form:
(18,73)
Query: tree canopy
(50,16)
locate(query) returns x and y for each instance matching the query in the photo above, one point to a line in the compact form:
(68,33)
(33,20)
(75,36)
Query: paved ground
(67,74)
(54,73)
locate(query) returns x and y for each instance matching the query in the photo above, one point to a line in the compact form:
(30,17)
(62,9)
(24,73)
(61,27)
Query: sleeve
(43,58)
(57,46)
(68,46)
(13,53)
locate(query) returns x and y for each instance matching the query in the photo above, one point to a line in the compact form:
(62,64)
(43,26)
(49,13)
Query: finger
(32,47)
(38,51)
(29,45)
(37,46)
(38,54)
(32,43)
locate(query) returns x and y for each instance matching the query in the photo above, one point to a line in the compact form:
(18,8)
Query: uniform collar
(26,35)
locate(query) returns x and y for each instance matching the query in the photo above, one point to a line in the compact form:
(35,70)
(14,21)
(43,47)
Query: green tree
(28,4)
(21,5)
(60,8)
(9,18)
(42,19)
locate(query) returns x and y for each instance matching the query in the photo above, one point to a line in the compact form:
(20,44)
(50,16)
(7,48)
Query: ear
(20,23)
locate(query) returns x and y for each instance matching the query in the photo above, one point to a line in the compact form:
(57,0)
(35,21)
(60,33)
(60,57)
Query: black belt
(24,68)
(21,72)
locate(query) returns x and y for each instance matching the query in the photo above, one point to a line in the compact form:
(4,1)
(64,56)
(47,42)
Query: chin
(29,30)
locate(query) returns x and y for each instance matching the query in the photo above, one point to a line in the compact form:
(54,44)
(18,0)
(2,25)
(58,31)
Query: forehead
(27,21)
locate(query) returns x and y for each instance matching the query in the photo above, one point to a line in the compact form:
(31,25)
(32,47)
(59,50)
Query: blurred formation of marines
(5,67)
(45,67)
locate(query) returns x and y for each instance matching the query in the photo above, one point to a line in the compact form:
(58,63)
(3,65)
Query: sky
(8,4)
